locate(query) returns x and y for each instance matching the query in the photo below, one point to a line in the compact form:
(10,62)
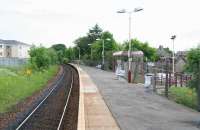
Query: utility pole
(103,49)
(129,50)
(173,55)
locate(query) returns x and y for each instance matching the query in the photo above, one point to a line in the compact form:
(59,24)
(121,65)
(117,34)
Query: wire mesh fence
(12,61)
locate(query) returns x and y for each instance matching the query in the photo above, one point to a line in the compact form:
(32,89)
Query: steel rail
(55,86)
(69,94)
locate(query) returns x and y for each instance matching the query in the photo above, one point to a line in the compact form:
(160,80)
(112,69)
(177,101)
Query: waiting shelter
(120,65)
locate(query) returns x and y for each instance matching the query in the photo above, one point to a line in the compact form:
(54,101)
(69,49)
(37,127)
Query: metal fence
(12,61)
(163,81)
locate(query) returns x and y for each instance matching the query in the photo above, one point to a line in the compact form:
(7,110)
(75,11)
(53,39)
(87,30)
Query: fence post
(166,80)
(170,79)
(181,80)
(176,79)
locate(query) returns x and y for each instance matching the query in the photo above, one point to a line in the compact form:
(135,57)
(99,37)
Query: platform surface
(135,108)
(93,112)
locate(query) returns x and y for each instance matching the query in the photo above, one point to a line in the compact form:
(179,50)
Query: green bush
(41,58)
(184,95)
(65,60)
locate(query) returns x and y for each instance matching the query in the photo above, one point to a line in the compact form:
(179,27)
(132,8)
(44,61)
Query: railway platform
(93,112)
(110,104)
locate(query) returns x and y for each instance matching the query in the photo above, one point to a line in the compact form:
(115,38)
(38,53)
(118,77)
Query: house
(163,52)
(180,61)
(14,49)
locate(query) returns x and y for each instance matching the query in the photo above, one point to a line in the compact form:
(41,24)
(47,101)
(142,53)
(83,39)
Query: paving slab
(135,108)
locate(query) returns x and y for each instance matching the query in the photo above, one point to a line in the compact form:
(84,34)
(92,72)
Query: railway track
(59,109)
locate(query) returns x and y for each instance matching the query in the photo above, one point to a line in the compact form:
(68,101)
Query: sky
(49,22)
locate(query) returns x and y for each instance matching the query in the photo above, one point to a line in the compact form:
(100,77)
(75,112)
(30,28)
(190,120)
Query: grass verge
(15,88)
(184,95)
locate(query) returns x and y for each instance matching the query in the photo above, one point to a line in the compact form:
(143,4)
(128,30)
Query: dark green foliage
(70,53)
(149,52)
(193,66)
(82,43)
(94,33)
(60,49)
(53,56)
(39,58)
(89,43)
(109,47)
(85,42)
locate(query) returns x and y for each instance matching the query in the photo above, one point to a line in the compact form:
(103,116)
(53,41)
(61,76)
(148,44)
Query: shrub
(39,58)
(65,60)
(184,95)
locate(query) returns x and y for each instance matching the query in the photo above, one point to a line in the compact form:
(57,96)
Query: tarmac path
(134,108)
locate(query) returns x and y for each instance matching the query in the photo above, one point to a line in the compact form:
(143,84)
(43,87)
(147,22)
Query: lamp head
(173,37)
(138,9)
(121,11)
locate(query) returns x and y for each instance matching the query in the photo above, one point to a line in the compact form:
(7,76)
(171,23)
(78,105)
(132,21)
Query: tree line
(90,47)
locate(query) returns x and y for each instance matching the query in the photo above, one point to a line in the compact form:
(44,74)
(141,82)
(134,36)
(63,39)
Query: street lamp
(103,55)
(173,58)
(79,55)
(129,50)
(90,50)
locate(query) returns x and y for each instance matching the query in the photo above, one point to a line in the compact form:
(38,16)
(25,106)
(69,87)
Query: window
(1,46)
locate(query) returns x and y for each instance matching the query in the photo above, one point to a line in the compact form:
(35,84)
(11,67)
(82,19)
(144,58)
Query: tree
(136,45)
(70,53)
(82,43)
(53,56)
(89,43)
(39,58)
(193,66)
(109,47)
(60,49)
(94,33)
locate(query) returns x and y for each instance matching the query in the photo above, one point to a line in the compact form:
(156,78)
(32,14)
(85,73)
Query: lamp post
(173,58)
(79,55)
(103,55)
(90,51)
(129,50)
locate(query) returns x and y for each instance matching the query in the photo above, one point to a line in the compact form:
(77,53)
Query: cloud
(51,21)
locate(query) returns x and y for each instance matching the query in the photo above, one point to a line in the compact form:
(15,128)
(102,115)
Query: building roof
(161,52)
(13,42)
(125,53)
(181,53)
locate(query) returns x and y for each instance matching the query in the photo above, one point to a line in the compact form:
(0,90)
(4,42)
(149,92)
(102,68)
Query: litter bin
(148,80)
